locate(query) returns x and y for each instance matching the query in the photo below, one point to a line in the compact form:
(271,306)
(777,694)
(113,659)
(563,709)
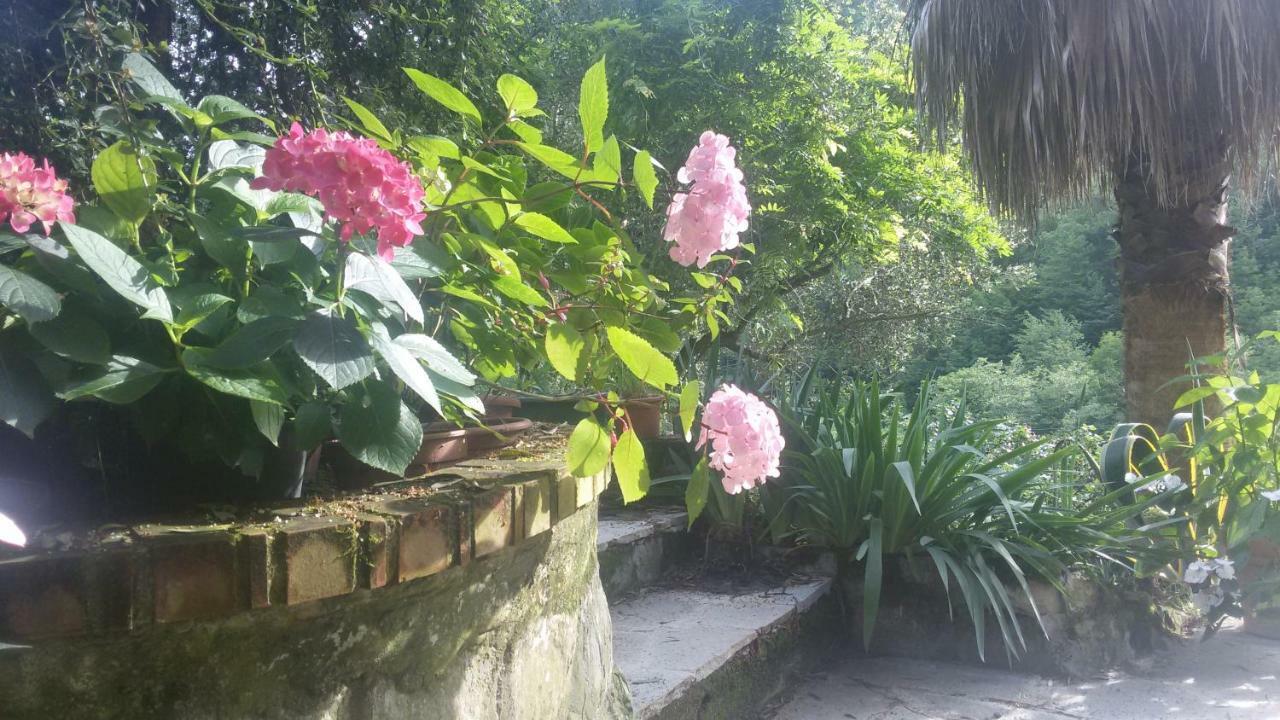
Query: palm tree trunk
(1174,264)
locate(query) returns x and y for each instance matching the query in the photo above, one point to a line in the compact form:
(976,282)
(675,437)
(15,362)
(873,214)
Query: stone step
(697,654)
(635,545)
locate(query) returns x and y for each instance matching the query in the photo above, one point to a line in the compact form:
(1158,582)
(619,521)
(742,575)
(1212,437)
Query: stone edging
(376,541)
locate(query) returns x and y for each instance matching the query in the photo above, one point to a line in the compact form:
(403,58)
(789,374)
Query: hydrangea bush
(276,292)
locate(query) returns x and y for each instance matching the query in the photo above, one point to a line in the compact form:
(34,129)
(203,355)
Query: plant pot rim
(441,430)
(498,425)
(501,400)
(644,400)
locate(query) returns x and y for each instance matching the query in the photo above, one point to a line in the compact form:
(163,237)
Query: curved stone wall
(482,602)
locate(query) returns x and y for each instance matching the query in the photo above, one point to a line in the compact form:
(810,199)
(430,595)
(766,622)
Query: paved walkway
(1232,677)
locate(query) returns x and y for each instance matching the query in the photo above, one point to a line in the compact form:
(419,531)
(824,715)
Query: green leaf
(379,430)
(564,346)
(518,291)
(544,227)
(607,166)
(873,577)
(436,145)
(124,380)
(554,159)
(269,418)
(225,154)
(252,343)
(463,394)
(695,493)
(689,397)
(125,180)
(644,360)
(1194,395)
(420,260)
(517,95)
(645,178)
(334,349)
(31,299)
(525,131)
(196,309)
(444,93)
(25,400)
(588,448)
(593,105)
(371,123)
(437,357)
(150,80)
(259,382)
(377,277)
(312,424)
(222,109)
(124,274)
(406,367)
(74,337)
(630,467)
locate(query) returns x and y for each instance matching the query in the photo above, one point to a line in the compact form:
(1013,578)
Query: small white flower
(1197,572)
(1224,568)
(1131,478)
(1272,495)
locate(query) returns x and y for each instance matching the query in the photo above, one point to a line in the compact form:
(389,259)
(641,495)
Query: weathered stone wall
(519,631)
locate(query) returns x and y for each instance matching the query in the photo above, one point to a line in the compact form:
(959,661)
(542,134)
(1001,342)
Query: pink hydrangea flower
(707,219)
(29,193)
(746,440)
(362,186)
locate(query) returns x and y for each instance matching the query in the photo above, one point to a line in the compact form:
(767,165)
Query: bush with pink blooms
(277,294)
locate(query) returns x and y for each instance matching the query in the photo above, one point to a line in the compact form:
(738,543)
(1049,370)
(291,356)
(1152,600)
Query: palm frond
(1056,97)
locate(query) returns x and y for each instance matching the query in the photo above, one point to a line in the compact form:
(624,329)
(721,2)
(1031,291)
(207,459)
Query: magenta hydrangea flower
(362,186)
(746,440)
(707,219)
(29,193)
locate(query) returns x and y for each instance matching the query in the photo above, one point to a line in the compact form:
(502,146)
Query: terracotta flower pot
(645,415)
(442,444)
(494,433)
(500,406)
(351,474)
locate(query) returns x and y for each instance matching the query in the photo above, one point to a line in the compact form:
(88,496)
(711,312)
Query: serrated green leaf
(517,95)
(695,493)
(124,380)
(125,180)
(124,274)
(588,448)
(225,154)
(377,277)
(252,343)
(368,120)
(31,299)
(150,80)
(518,291)
(437,357)
(269,418)
(379,430)
(407,368)
(630,467)
(593,105)
(444,93)
(644,360)
(75,337)
(607,166)
(564,346)
(222,109)
(312,424)
(554,159)
(690,394)
(332,347)
(645,178)
(25,400)
(259,382)
(544,227)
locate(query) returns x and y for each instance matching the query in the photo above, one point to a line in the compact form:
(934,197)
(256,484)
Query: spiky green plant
(873,482)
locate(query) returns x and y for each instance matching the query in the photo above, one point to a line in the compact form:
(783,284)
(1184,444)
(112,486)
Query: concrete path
(1232,677)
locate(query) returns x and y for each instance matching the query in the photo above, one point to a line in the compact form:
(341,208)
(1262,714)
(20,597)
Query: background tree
(1160,100)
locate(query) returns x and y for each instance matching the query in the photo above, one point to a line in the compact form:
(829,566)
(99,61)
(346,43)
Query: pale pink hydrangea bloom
(707,219)
(29,193)
(746,440)
(362,186)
